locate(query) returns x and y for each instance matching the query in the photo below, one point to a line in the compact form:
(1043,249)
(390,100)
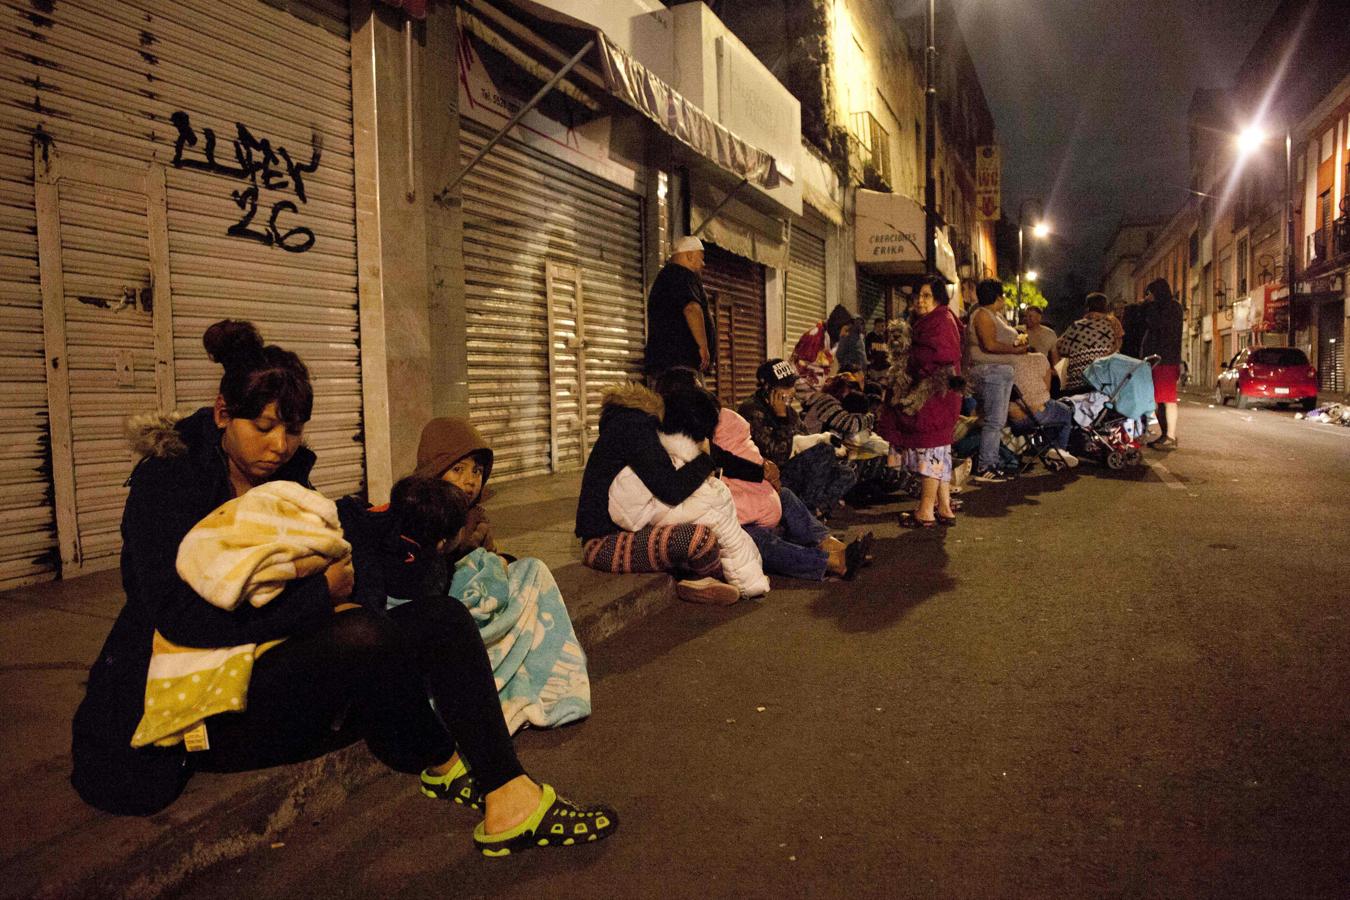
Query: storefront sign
(888,233)
(988,183)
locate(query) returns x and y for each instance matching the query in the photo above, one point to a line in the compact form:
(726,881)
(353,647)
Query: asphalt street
(1096,685)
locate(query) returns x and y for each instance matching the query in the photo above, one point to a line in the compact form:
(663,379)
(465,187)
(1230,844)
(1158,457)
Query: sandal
(909,520)
(946,521)
(456,785)
(856,555)
(554,823)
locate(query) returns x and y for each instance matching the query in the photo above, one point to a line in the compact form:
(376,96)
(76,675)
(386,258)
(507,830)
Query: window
(1241,259)
(1194,247)
(1278,356)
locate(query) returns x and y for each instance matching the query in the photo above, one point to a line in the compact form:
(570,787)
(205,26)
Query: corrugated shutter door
(805,284)
(871,298)
(104,82)
(738,285)
(27,521)
(522,210)
(1331,349)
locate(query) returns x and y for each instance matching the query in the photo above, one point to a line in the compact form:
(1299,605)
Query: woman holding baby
(327,671)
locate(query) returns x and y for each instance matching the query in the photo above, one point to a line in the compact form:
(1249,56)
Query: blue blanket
(537,661)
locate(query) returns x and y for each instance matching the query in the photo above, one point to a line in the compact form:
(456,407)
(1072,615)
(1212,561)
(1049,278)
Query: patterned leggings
(678,549)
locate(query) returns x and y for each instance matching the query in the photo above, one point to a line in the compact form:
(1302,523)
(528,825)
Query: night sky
(1089,98)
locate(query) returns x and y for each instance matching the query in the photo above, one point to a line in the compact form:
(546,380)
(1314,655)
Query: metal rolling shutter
(523,210)
(739,286)
(103,81)
(805,284)
(27,521)
(1331,349)
(871,298)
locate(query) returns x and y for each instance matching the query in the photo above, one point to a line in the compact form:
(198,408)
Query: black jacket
(1163,321)
(182,478)
(628,437)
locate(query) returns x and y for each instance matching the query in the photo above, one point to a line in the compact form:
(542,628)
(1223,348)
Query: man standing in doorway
(678,329)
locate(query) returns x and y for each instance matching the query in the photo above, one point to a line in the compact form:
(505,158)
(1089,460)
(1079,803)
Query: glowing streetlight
(1042,230)
(1249,140)
(1032,274)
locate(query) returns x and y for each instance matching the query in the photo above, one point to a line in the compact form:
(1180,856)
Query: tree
(1031,294)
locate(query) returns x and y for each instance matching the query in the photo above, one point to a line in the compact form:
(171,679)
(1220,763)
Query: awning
(605,67)
(889,234)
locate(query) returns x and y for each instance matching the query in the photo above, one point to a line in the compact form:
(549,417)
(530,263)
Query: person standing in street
(1163,318)
(679,332)
(878,349)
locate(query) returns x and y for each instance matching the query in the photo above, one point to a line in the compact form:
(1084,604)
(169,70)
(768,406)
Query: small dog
(905,394)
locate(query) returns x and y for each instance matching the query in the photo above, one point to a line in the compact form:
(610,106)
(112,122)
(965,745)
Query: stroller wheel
(1133,457)
(1115,460)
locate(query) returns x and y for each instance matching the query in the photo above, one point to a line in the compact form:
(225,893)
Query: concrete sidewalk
(55,846)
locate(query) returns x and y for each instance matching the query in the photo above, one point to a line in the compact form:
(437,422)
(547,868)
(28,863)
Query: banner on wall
(988,182)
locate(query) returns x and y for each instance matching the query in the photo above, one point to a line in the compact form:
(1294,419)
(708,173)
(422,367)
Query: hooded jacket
(181,478)
(629,419)
(771,433)
(632,506)
(757,502)
(444,442)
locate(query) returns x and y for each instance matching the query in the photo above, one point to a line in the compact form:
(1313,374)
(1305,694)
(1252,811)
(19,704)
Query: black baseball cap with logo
(776,373)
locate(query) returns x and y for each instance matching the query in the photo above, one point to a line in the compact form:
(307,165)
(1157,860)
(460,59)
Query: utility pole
(929,143)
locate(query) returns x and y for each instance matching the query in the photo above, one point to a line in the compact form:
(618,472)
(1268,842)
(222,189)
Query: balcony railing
(1329,243)
(870,146)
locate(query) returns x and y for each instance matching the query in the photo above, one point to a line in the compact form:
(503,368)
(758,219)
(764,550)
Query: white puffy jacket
(632,507)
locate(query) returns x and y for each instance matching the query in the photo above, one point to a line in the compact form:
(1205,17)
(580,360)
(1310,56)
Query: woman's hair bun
(231,342)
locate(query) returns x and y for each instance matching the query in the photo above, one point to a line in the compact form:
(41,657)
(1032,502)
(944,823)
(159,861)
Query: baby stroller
(1123,395)
(1036,441)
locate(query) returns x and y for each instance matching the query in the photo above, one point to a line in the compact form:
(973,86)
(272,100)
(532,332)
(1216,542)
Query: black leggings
(368,676)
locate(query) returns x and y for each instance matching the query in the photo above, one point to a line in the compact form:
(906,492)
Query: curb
(154,856)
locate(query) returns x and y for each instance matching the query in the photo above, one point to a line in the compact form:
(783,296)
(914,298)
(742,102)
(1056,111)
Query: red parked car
(1276,375)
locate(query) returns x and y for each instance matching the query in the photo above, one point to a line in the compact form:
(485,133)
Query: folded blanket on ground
(537,661)
(250,547)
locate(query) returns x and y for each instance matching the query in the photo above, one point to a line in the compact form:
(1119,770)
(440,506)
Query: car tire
(1308,404)
(1243,402)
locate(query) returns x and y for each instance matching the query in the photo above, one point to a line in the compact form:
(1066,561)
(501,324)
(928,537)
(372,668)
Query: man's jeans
(793,548)
(993,388)
(1058,418)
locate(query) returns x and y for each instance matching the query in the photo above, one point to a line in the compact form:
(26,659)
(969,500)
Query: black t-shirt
(669,342)
(878,351)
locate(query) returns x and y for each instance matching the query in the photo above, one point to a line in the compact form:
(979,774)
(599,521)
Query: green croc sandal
(456,785)
(555,823)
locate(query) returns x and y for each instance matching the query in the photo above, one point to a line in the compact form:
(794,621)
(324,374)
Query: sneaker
(709,591)
(989,476)
(1063,456)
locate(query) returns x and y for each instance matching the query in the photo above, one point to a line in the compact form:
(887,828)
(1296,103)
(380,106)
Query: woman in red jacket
(924,416)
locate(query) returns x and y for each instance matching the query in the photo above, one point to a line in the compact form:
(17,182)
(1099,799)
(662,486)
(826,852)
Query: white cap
(687,244)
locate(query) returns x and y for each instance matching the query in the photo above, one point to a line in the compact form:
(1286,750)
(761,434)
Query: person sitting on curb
(629,437)
(342,672)
(791,541)
(809,465)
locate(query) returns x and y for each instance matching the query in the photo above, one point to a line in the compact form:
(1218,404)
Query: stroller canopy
(1127,381)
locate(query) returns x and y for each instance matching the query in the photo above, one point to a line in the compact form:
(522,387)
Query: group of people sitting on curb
(266,624)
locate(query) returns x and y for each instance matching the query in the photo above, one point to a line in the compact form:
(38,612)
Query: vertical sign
(988,182)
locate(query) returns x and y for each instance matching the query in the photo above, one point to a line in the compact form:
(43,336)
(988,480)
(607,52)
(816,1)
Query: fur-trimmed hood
(631,395)
(156,435)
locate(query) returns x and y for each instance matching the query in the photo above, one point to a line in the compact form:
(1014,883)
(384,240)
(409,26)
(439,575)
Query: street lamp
(1248,141)
(1031,275)
(1040,230)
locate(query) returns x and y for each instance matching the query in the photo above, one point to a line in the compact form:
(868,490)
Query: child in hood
(452,450)
(791,541)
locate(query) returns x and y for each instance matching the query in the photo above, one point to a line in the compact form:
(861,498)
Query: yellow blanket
(247,549)
(252,546)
